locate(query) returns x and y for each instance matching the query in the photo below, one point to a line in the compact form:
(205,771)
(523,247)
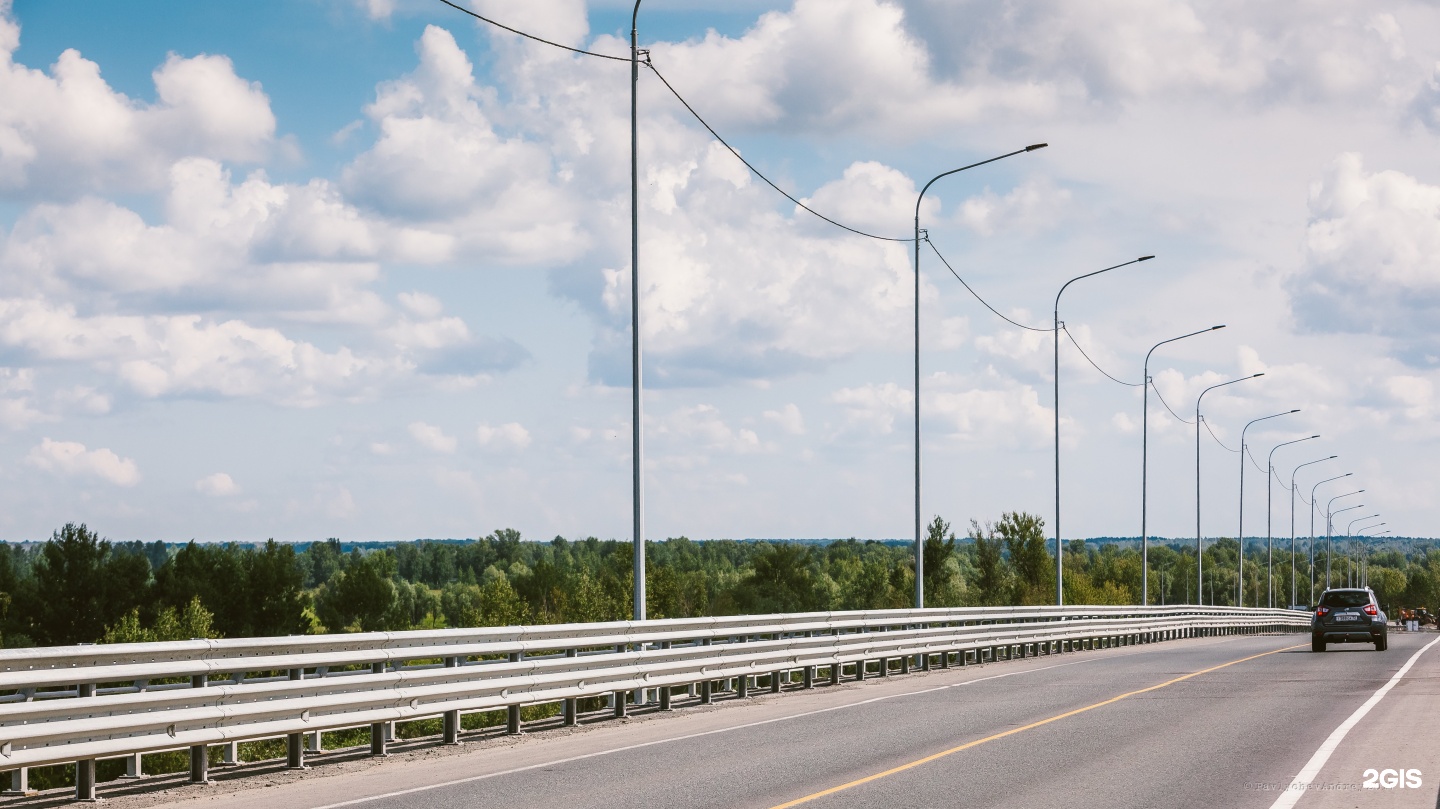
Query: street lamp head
(1144,258)
(1296,410)
(1255,375)
(1032,147)
(1216,328)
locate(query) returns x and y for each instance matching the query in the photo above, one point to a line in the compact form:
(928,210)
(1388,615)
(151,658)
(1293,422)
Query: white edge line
(1297,788)
(688,736)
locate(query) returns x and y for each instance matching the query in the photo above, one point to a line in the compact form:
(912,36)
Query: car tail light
(1370,609)
(1322,612)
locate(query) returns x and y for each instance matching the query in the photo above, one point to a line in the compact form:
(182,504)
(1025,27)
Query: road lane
(1203,741)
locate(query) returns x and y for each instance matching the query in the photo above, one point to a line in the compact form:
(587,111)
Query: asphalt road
(1219,722)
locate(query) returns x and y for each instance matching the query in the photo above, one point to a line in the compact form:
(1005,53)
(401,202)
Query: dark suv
(1348,615)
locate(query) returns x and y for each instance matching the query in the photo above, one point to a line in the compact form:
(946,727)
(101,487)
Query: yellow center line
(943,753)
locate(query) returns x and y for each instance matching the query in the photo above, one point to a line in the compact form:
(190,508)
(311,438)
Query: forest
(77,587)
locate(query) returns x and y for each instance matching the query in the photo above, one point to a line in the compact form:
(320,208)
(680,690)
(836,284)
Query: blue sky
(360,268)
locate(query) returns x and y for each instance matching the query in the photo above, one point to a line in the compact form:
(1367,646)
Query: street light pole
(1330,526)
(1199,544)
(1240,567)
(1145,465)
(1269,509)
(919,541)
(1059,554)
(1293,583)
(636,382)
(1351,579)
(1314,507)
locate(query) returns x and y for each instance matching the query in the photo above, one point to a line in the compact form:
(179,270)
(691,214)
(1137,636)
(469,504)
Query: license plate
(1347,617)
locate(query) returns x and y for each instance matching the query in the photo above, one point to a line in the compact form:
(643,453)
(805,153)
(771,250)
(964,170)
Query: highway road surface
(1248,721)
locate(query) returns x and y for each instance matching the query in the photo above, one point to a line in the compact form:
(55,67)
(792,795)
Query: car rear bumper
(1348,634)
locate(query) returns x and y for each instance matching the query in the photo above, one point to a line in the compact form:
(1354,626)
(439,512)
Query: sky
(361,268)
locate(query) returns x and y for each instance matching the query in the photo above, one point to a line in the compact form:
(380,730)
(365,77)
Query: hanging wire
(1214,436)
(463,10)
(1167,404)
(692,111)
(1094,365)
(1253,462)
(757,172)
(982,301)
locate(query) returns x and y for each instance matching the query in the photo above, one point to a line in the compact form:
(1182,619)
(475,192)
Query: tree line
(79,588)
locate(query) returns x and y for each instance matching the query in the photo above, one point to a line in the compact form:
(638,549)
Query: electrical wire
(982,301)
(464,10)
(757,172)
(1253,462)
(697,117)
(1167,404)
(1214,436)
(1094,365)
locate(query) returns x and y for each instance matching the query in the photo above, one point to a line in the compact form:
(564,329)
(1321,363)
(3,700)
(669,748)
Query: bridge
(1027,706)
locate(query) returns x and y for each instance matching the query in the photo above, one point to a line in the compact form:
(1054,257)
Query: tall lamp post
(1059,555)
(1145,466)
(919,541)
(1199,544)
(1269,509)
(1365,566)
(636,383)
(1329,528)
(1314,507)
(1240,568)
(1352,580)
(1294,591)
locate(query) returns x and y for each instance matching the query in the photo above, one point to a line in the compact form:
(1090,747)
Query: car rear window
(1346,598)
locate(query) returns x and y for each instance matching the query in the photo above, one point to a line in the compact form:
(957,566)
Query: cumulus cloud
(67,131)
(432,438)
(509,436)
(217,485)
(788,418)
(1372,258)
(72,459)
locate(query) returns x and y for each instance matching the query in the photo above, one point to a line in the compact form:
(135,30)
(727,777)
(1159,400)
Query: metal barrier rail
(83,703)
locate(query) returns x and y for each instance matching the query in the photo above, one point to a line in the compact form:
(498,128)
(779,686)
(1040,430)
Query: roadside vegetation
(79,588)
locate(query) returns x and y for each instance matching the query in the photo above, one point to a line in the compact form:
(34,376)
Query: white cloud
(508,436)
(432,438)
(68,131)
(217,485)
(874,408)
(1372,258)
(789,418)
(72,459)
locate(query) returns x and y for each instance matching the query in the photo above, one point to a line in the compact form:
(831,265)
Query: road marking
(1312,768)
(943,753)
(759,723)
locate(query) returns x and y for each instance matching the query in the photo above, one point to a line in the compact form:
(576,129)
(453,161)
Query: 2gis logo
(1391,779)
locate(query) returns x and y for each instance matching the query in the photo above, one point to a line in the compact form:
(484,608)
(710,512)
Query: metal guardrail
(83,703)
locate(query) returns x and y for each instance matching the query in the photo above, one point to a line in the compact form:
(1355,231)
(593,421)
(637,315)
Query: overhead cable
(1214,436)
(757,172)
(697,117)
(982,301)
(1092,362)
(464,10)
(1167,404)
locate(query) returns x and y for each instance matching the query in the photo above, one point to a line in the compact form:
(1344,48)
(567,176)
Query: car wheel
(1317,644)
(1382,643)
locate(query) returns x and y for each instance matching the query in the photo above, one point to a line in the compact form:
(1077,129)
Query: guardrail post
(199,754)
(742,686)
(294,743)
(512,712)
(571,702)
(19,782)
(450,720)
(884,667)
(809,678)
(775,682)
(377,729)
(85,770)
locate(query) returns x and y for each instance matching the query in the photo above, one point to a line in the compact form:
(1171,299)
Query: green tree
(1024,538)
(82,588)
(192,622)
(361,597)
(990,572)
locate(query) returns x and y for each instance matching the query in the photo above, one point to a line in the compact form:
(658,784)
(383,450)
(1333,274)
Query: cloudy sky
(360,268)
